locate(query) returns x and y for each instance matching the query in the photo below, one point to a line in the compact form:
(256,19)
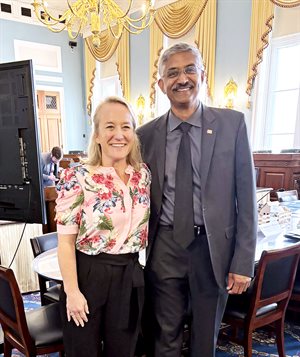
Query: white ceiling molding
(58,6)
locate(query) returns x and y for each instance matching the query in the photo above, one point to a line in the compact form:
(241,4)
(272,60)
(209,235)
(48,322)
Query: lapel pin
(209,131)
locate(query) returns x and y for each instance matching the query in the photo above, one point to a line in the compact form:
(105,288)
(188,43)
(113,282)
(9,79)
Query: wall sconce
(230,93)
(140,105)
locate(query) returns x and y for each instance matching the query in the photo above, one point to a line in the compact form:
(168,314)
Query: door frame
(60,90)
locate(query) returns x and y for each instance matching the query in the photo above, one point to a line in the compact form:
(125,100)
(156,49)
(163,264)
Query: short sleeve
(69,201)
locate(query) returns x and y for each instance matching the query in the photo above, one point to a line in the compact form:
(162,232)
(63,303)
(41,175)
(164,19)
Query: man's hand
(52,177)
(237,284)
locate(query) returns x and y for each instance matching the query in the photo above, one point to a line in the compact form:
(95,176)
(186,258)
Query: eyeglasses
(188,71)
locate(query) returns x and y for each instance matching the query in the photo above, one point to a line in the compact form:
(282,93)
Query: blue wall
(74,122)
(233,30)
(139,64)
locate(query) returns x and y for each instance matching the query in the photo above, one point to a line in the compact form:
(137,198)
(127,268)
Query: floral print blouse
(107,215)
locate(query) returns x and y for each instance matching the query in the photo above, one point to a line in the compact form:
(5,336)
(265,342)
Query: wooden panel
(280,171)
(50,197)
(49,114)
(274,179)
(53,132)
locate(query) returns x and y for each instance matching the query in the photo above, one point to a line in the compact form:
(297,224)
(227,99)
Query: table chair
(266,300)
(257,171)
(34,332)
(1,340)
(287,196)
(294,304)
(39,245)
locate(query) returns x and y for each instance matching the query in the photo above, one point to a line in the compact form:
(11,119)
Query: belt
(198,230)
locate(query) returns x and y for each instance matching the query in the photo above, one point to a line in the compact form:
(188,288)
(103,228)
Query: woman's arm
(76,306)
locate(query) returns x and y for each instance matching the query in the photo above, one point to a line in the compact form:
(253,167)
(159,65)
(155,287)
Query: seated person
(50,165)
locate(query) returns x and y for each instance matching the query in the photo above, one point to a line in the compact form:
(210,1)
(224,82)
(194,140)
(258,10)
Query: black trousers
(113,287)
(179,280)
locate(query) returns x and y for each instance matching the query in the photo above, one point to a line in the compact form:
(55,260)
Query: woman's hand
(77,308)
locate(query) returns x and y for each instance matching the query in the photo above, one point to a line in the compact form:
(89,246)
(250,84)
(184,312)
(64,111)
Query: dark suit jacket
(46,164)
(227,186)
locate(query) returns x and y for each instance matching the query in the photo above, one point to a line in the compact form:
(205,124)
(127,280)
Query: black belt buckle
(199,230)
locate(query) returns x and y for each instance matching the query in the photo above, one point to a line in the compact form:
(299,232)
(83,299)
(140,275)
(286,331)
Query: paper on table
(270,228)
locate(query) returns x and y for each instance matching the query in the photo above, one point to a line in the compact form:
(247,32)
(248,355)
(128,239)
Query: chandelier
(95,16)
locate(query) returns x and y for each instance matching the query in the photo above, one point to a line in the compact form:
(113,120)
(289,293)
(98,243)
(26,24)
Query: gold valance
(176,19)
(261,26)
(286,3)
(108,46)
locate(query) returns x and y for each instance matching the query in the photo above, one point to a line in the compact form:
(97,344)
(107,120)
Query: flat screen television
(21,185)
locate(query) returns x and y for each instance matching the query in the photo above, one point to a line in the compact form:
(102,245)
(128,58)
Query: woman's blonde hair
(94,150)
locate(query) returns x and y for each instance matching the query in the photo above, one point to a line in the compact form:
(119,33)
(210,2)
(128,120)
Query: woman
(102,217)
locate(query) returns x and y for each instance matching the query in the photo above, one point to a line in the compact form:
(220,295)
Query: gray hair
(177,48)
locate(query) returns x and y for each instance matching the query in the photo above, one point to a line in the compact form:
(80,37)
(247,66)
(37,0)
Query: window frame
(263,91)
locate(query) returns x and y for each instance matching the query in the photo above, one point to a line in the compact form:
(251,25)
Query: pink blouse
(107,215)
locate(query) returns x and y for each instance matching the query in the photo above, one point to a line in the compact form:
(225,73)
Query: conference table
(46,264)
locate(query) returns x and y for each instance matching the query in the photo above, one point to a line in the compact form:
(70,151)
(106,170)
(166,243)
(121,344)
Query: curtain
(205,39)
(286,3)
(90,70)
(156,46)
(176,20)
(108,46)
(123,64)
(261,26)
(22,265)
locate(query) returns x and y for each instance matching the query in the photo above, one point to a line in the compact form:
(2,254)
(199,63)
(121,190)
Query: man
(50,162)
(202,230)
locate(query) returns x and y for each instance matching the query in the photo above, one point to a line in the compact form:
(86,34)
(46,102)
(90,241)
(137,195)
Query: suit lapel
(209,133)
(160,147)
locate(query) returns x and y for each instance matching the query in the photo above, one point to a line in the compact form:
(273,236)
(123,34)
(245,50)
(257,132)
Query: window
(276,115)
(104,87)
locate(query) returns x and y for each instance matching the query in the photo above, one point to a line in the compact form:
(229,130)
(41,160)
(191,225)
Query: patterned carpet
(262,345)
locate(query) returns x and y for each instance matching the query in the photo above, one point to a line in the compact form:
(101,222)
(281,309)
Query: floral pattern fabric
(107,215)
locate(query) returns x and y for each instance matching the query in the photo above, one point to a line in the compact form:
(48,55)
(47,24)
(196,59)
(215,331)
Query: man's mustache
(183,86)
